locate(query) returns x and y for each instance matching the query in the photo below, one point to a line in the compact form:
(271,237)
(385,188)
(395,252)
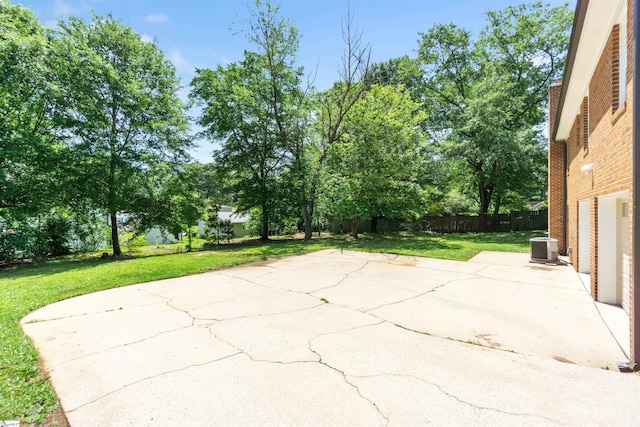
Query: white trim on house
(601,16)
(609,247)
(584,236)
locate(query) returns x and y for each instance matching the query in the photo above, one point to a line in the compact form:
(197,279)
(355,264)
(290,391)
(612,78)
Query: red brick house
(591,154)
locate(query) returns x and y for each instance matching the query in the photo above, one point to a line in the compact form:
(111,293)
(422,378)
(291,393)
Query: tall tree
(375,168)
(330,109)
(403,71)
(435,173)
(122,116)
(487,98)
(253,107)
(29,151)
(184,203)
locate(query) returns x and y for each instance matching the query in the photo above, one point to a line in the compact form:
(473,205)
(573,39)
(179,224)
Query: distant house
(158,235)
(536,206)
(591,162)
(238,221)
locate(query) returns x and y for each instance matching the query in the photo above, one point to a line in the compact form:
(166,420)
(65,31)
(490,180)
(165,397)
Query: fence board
(515,221)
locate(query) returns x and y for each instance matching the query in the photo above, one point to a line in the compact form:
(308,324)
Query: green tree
(251,107)
(217,229)
(208,182)
(121,114)
(183,203)
(486,99)
(29,151)
(436,173)
(329,110)
(403,71)
(374,167)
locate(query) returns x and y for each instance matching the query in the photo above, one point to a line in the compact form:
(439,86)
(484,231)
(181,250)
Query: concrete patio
(340,338)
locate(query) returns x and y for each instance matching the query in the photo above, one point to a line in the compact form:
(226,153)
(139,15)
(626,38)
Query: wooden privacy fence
(515,221)
(384,225)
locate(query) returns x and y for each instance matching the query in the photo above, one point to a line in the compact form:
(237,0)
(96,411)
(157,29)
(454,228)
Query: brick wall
(609,129)
(609,151)
(556,175)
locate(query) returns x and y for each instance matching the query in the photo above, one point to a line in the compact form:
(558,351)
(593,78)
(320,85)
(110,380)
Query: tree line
(91,124)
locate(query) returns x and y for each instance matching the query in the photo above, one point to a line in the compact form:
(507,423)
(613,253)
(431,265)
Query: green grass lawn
(25,394)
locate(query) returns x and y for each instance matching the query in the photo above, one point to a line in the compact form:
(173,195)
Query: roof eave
(574,41)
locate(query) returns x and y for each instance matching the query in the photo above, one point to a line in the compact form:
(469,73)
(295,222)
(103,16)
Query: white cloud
(180,63)
(156,18)
(62,8)
(52,24)
(146,38)
(183,94)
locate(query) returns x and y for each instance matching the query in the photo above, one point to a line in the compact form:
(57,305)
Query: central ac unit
(544,249)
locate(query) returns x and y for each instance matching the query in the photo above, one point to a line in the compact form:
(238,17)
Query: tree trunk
(307,215)
(114,235)
(496,213)
(374,224)
(485,199)
(264,232)
(496,207)
(354,227)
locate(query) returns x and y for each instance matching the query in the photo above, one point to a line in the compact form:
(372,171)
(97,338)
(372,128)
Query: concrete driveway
(340,338)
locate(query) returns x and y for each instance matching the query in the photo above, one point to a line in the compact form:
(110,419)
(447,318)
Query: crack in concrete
(240,351)
(53,367)
(342,331)
(213,320)
(354,386)
(533,284)
(345,277)
(397,325)
(491,266)
(434,289)
(151,377)
(248,316)
(254,359)
(308,293)
(345,376)
(89,313)
(464,402)
(224,300)
(415,331)
(231,276)
(244,279)
(153,294)
(476,343)
(318,361)
(473,276)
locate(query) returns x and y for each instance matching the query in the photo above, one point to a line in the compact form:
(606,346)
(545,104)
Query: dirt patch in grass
(54,419)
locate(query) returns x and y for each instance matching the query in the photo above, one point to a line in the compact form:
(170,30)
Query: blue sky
(199,33)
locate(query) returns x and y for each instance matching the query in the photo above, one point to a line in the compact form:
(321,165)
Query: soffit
(583,58)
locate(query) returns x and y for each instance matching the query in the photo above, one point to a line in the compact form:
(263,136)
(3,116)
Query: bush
(34,238)
(12,243)
(58,232)
(135,242)
(56,236)
(90,232)
(412,226)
